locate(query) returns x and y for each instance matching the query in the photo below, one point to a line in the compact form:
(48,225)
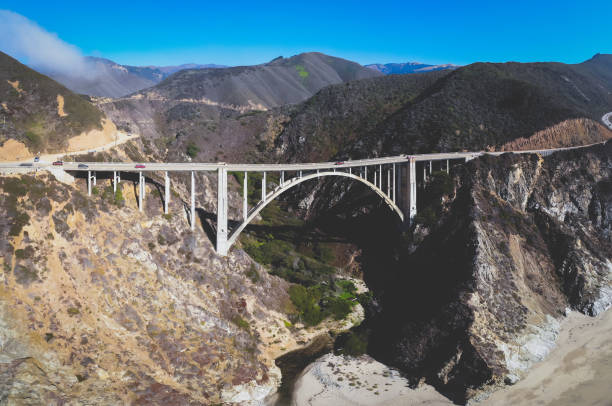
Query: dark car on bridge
(140,166)
(339,163)
(83,166)
(58,163)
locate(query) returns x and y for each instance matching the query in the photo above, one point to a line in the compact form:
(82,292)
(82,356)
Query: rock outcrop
(101,304)
(480,299)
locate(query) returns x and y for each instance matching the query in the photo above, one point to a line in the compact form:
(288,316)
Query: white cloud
(30,43)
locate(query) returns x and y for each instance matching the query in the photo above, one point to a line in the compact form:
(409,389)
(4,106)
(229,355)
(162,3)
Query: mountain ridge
(107,78)
(280,81)
(478,106)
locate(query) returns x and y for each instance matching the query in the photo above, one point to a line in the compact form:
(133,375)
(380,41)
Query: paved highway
(177,167)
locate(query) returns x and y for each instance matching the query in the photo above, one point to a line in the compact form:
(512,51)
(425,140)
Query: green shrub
(252,274)
(33,140)
(355,345)
(324,253)
(119,199)
(73,311)
(428,216)
(21,220)
(306,300)
(241,323)
(338,307)
(192,150)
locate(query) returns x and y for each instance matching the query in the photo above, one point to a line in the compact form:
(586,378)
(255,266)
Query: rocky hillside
(473,107)
(39,112)
(278,82)
(523,239)
(101,303)
(106,78)
(480,106)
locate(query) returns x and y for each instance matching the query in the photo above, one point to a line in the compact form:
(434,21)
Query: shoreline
(578,370)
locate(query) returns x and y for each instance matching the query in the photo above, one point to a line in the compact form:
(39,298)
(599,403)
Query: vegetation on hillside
(479,106)
(289,248)
(29,103)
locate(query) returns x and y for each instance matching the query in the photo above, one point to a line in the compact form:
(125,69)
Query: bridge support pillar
(447,167)
(222,246)
(380,176)
(88,183)
(430,165)
(245,203)
(166,191)
(388,183)
(114,181)
(140,190)
(94,178)
(409,191)
(263,187)
(192,201)
(393,186)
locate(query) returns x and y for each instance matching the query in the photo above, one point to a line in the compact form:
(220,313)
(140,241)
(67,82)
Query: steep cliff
(479,300)
(103,304)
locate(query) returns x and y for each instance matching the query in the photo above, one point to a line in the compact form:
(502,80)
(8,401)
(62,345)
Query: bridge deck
(183,166)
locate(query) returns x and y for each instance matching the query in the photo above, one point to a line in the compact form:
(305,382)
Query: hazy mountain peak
(278,82)
(408,67)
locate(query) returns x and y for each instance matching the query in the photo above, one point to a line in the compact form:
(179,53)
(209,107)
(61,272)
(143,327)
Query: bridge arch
(298,180)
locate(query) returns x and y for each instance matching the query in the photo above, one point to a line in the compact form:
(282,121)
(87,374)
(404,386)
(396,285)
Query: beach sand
(578,371)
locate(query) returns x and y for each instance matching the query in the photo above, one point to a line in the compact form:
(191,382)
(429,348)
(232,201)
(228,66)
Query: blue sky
(237,32)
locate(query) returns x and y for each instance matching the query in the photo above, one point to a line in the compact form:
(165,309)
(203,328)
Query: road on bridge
(185,166)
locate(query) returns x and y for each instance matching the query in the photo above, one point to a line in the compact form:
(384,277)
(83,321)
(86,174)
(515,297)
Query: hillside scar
(60,106)
(15,85)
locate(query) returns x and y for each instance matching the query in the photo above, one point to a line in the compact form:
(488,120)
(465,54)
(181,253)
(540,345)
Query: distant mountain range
(408,67)
(106,78)
(278,82)
(320,107)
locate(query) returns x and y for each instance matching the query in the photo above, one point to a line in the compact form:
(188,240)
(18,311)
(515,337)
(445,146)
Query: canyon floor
(578,371)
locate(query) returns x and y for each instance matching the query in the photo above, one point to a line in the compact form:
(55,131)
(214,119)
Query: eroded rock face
(106,305)
(481,297)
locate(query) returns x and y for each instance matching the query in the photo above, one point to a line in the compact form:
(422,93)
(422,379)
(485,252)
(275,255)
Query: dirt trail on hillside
(93,141)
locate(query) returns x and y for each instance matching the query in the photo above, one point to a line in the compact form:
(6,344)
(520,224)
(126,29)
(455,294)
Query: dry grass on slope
(580,131)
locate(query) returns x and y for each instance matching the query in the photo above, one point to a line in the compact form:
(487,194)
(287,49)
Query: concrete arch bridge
(393,179)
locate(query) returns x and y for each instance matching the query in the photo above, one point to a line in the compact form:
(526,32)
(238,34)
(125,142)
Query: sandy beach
(578,371)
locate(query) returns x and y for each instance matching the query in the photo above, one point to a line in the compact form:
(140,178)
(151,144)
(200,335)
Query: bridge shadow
(209,223)
(159,187)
